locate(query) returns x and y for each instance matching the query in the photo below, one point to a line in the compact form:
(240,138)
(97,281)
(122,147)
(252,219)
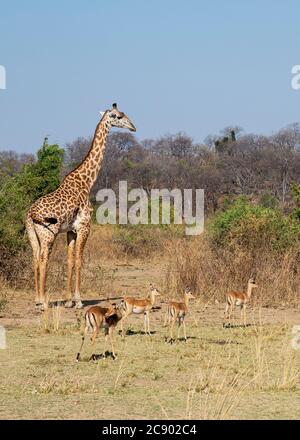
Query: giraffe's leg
(35,244)
(71,238)
(82,236)
(36,280)
(46,247)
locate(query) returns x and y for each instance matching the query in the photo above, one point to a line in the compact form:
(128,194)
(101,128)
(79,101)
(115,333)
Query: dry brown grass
(211,272)
(208,270)
(219,374)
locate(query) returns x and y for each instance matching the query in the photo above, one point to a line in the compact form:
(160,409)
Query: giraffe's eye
(120,117)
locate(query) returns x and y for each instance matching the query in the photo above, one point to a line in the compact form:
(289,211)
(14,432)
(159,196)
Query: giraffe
(68,209)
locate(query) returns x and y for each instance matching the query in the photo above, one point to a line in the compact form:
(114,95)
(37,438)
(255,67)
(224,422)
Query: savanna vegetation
(252,207)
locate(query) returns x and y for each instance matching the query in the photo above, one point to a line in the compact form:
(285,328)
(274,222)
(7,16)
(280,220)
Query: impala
(239,299)
(177,311)
(132,305)
(101,317)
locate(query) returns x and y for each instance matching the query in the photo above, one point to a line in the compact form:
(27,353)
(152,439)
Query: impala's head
(114,310)
(188,294)
(252,283)
(154,291)
(115,118)
(111,310)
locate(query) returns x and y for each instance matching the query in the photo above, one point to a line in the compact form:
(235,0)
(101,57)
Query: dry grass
(211,273)
(194,261)
(219,374)
(237,372)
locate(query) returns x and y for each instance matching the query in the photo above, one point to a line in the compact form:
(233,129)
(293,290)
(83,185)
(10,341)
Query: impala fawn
(176,312)
(138,306)
(101,317)
(239,299)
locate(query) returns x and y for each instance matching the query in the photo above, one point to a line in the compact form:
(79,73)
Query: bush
(16,194)
(254,227)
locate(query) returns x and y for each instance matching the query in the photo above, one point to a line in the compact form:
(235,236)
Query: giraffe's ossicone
(68,209)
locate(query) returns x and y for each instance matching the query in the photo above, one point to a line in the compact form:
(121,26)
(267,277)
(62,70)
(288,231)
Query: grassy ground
(219,373)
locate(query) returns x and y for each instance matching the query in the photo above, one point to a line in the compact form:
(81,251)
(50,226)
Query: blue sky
(192,66)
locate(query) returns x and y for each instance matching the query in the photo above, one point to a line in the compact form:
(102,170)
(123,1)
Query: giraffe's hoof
(69,304)
(78,305)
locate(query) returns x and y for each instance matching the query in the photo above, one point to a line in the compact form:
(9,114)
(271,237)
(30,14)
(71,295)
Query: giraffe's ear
(101,114)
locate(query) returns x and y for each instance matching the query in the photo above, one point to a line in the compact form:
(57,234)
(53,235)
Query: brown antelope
(239,299)
(138,306)
(176,312)
(101,317)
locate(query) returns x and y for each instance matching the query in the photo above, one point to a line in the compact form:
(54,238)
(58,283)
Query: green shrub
(254,227)
(17,192)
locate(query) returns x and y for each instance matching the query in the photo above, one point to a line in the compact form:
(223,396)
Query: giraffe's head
(115,118)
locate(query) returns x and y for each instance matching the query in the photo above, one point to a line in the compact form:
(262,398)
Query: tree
(43,177)
(20,190)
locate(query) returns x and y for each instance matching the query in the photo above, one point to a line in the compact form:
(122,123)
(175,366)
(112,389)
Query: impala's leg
(122,328)
(184,330)
(148,322)
(110,334)
(167,318)
(230,310)
(145,323)
(46,247)
(178,330)
(122,320)
(93,340)
(86,329)
(243,311)
(226,310)
(171,328)
(82,236)
(105,340)
(71,238)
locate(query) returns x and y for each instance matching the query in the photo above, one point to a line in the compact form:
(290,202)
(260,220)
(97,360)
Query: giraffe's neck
(88,170)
